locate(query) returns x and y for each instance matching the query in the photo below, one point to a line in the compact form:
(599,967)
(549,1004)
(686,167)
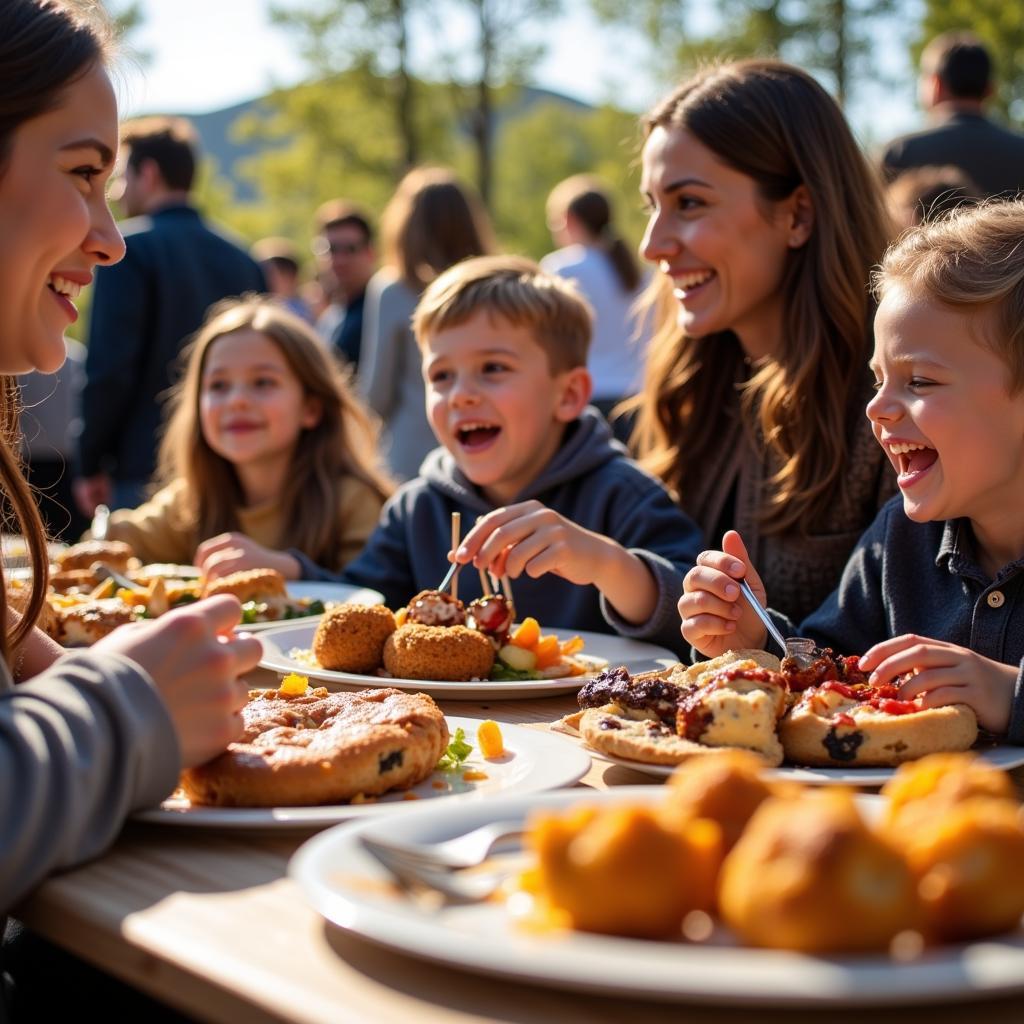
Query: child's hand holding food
(715,617)
(232,552)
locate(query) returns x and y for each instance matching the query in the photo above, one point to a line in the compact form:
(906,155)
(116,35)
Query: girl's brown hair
(431,222)
(775,124)
(45,46)
(343,442)
(588,201)
(971,260)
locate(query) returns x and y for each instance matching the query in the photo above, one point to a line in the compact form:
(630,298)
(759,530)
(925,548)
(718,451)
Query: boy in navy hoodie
(590,540)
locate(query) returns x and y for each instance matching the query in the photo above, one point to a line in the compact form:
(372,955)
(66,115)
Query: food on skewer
(350,638)
(434,608)
(491,615)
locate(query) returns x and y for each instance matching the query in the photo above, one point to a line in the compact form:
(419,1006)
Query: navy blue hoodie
(591,481)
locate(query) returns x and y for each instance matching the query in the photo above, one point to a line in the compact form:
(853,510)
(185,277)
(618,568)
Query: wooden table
(209,923)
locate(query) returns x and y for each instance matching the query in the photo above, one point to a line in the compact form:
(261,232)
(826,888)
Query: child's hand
(195,661)
(715,616)
(945,674)
(533,539)
(232,552)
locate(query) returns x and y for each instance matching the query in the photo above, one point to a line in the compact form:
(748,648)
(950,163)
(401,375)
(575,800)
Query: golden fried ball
(726,789)
(809,875)
(350,638)
(449,653)
(967,860)
(942,780)
(621,870)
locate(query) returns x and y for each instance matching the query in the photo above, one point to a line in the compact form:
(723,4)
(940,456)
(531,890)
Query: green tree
(1001,26)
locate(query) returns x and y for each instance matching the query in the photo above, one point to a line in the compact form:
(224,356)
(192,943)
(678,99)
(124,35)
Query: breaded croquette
(248,585)
(114,553)
(450,653)
(350,638)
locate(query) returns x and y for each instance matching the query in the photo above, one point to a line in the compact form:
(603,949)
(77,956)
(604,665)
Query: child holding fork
(934,591)
(590,540)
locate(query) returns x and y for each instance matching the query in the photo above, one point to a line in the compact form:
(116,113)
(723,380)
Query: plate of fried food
(821,722)
(310,758)
(724,887)
(440,647)
(85,602)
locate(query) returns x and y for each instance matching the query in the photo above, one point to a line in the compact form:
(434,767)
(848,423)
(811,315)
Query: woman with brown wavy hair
(432,221)
(765,222)
(87,739)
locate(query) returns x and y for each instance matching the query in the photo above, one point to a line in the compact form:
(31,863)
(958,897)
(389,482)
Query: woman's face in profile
(724,248)
(56,222)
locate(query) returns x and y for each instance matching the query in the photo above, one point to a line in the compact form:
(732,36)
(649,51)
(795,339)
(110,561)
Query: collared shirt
(924,578)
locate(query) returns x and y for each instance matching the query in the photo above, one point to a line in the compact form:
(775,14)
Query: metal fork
(439,866)
(453,571)
(795,647)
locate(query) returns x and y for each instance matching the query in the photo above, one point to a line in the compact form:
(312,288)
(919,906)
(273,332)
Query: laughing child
(591,540)
(935,587)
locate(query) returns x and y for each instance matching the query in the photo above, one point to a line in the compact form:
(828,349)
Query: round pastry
(350,638)
(837,725)
(943,780)
(727,789)
(434,608)
(808,875)
(447,653)
(114,553)
(967,861)
(322,747)
(248,585)
(620,870)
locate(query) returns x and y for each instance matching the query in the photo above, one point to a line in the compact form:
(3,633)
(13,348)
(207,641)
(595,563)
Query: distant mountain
(215,131)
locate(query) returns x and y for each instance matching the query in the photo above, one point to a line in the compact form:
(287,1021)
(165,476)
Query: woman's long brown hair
(775,124)
(45,46)
(342,444)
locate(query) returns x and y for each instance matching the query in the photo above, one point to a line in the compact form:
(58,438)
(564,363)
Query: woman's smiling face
(724,247)
(57,225)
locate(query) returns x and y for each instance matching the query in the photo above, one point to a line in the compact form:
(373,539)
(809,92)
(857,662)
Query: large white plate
(616,650)
(316,591)
(1002,756)
(533,761)
(333,870)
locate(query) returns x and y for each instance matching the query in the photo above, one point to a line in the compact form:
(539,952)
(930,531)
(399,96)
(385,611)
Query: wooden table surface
(209,922)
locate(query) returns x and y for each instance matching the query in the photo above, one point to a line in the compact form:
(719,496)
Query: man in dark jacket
(144,309)
(956,80)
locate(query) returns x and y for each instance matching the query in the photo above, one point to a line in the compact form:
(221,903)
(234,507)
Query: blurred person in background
(431,222)
(955,83)
(595,257)
(279,260)
(144,309)
(344,246)
(922,194)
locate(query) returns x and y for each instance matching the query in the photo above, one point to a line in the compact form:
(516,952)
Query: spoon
(795,647)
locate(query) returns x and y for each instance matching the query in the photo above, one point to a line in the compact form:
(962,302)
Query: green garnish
(506,674)
(458,750)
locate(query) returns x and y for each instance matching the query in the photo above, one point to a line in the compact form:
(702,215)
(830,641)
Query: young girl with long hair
(266,448)
(87,739)
(765,223)
(432,221)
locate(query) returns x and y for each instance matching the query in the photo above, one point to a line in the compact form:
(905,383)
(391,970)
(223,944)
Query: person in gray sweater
(933,593)
(85,738)
(589,539)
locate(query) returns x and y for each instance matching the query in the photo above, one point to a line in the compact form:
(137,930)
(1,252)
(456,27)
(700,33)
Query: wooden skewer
(506,589)
(485,583)
(456,538)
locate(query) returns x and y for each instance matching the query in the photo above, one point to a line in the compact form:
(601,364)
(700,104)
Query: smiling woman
(765,221)
(85,741)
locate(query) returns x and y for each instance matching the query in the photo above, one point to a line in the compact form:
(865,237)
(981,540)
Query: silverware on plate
(801,650)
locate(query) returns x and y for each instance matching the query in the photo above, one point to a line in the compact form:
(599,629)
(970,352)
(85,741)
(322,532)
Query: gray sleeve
(378,362)
(81,746)
(663,626)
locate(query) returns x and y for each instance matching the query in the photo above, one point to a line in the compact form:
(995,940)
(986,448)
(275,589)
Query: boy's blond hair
(971,261)
(517,291)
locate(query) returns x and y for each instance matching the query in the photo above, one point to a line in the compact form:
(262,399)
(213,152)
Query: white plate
(615,650)
(316,591)
(1002,756)
(533,761)
(333,870)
